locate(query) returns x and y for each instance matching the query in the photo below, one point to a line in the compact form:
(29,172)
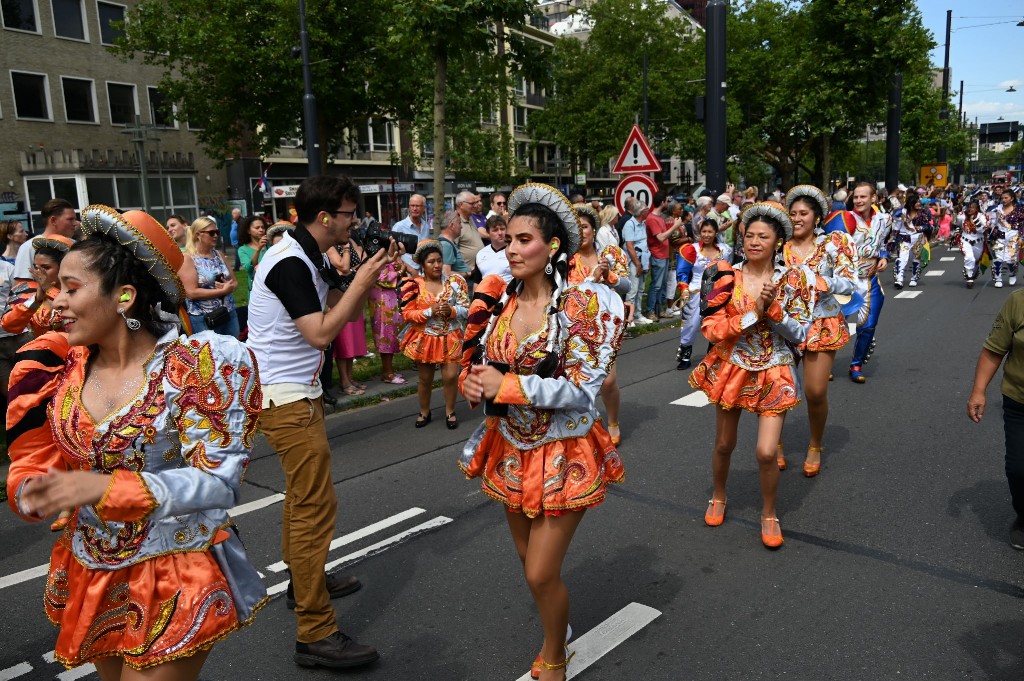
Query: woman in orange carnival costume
(147,438)
(537,351)
(31,303)
(834,261)
(754,313)
(605,267)
(434,308)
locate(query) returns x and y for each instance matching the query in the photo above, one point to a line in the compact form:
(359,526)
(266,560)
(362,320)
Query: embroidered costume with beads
(618,270)
(550,453)
(429,338)
(751,363)
(154,571)
(834,263)
(689,274)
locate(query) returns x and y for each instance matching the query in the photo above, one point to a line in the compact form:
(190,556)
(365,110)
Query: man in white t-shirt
(58,217)
(492,258)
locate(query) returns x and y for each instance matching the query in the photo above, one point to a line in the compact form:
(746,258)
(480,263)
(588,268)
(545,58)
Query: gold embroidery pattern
(125,545)
(57,591)
(125,614)
(218,599)
(163,618)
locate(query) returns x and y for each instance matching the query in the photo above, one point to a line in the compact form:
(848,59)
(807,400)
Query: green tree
(598,87)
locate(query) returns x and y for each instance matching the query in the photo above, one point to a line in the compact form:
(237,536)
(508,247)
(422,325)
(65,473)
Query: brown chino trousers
(297,433)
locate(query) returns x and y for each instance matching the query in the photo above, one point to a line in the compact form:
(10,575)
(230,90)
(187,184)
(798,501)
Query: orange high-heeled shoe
(812,469)
(539,663)
(616,439)
(543,664)
(780,457)
(712,519)
(771,539)
(61,522)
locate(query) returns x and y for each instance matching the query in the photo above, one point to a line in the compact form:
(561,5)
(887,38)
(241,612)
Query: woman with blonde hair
(607,235)
(208,281)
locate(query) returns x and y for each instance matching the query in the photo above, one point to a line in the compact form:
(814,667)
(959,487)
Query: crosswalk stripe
(361,533)
(696,399)
(947,258)
(14,672)
(386,544)
(603,638)
(242,509)
(908,295)
(934,273)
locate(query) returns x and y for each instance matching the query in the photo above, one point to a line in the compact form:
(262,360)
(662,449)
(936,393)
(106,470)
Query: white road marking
(242,509)
(947,258)
(934,273)
(603,638)
(909,295)
(76,673)
(386,544)
(379,547)
(48,657)
(696,399)
(42,570)
(852,326)
(15,671)
(24,576)
(361,533)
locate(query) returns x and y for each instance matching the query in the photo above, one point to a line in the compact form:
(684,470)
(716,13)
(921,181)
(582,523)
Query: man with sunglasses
(498,206)
(288,331)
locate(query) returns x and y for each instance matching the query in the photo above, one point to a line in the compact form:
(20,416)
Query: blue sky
(986,52)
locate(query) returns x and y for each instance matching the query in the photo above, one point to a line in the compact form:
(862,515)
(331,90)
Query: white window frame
(34,211)
(46,88)
(516,127)
(110,112)
(152,112)
(99,20)
(95,103)
(85,24)
(389,145)
(520,88)
(39,28)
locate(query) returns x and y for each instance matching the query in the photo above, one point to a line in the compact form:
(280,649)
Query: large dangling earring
(133,324)
(548,269)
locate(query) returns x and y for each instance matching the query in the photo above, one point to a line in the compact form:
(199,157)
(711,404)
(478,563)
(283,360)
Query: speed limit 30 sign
(638,186)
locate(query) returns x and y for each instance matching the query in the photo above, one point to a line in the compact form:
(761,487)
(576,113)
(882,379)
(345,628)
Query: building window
(520,121)
(79,100)
(39,190)
(69,19)
(111,19)
(160,111)
(123,106)
(520,87)
(381,135)
(19,15)
(31,96)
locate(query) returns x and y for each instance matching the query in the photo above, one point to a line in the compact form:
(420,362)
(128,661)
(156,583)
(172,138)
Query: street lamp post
(714,124)
(311,134)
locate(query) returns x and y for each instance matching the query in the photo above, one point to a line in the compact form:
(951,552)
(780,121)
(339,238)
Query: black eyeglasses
(211,232)
(350,213)
(499,203)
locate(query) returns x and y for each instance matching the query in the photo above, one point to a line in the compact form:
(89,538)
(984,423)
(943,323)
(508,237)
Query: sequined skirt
(827,334)
(421,347)
(553,478)
(769,391)
(161,609)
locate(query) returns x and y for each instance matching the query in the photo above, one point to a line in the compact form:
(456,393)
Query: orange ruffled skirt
(769,392)
(556,477)
(161,609)
(827,334)
(426,349)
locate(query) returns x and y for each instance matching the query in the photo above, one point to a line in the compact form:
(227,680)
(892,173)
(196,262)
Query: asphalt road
(895,565)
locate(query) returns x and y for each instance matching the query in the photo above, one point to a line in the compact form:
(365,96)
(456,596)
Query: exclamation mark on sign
(636,153)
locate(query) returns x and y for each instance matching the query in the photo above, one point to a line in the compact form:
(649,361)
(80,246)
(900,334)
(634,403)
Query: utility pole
(647,121)
(892,132)
(944,112)
(311,133)
(714,124)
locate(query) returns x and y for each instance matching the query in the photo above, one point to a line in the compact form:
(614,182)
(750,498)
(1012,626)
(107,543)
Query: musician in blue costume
(869,228)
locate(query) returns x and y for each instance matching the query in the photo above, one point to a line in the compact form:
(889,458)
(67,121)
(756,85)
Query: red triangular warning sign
(636,156)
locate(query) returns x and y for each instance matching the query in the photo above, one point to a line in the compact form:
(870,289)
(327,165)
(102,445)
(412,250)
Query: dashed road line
(603,638)
(934,273)
(76,673)
(908,295)
(242,509)
(14,672)
(361,533)
(852,326)
(385,544)
(947,258)
(695,399)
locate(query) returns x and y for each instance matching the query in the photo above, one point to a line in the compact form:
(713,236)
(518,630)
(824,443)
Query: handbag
(216,317)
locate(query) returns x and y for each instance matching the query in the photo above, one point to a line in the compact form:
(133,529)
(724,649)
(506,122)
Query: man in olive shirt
(1006,340)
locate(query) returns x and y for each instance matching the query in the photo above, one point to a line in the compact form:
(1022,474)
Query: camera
(377,238)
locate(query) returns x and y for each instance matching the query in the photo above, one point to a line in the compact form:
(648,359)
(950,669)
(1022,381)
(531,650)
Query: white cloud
(988,112)
(1011,83)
